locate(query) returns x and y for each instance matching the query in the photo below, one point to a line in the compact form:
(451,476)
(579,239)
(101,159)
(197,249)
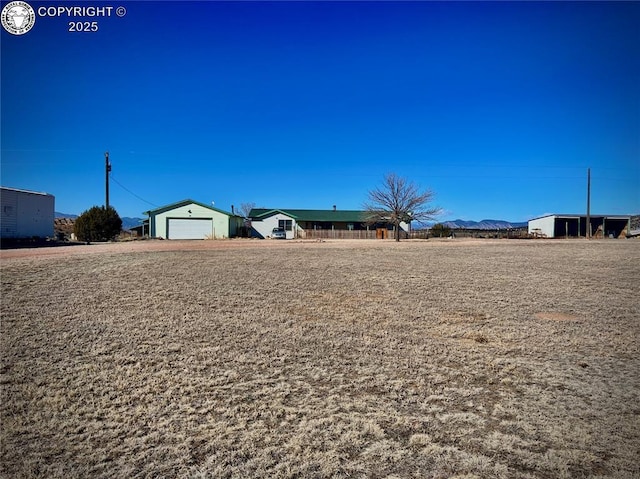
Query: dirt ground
(368,359)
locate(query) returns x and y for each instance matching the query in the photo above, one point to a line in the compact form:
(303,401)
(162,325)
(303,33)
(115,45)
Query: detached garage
(190,219)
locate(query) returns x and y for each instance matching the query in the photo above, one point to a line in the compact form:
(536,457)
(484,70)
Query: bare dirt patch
(336,359)
(556,316)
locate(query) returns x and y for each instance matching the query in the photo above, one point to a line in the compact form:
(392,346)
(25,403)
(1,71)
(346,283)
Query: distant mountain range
(483,225)
(127,222)
(65,215)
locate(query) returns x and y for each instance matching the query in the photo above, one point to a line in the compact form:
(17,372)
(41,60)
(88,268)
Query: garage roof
(179,204)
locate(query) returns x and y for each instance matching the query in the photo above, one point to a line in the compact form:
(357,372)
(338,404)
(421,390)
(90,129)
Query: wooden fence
(350,234)
(338,234)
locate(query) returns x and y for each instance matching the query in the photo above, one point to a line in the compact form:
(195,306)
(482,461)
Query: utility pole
(588,233)
(107,167)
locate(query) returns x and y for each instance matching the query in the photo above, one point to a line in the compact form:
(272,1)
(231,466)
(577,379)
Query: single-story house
(575,225)
(26,214)
(188,219)
(332,223)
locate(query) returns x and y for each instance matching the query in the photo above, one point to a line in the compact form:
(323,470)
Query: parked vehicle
(279,233)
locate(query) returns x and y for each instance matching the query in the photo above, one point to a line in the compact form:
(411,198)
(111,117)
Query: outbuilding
(189,219)
(575,225)
(26,214)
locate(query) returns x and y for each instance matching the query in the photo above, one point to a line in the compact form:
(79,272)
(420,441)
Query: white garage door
(189,228)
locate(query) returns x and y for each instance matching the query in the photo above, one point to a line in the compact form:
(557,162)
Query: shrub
(440,230)
(98,224)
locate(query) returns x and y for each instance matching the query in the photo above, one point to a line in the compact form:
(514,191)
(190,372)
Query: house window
(286,224)
(350,226)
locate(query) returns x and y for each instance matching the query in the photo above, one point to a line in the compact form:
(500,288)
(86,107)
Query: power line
(131,192)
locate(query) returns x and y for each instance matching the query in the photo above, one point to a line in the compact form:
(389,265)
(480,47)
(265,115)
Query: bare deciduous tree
(245,208)
(399,200)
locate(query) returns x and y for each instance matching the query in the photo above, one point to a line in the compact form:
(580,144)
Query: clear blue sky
(499,108)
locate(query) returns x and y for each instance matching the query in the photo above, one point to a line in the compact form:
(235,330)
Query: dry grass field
(430,359)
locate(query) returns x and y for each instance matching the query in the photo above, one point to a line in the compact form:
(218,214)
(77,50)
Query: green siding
(186,202)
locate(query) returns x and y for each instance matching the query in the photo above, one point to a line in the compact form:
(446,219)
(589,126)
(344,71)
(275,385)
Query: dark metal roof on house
(346,216)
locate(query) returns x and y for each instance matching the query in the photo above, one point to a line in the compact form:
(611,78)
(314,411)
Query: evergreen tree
(98,224)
